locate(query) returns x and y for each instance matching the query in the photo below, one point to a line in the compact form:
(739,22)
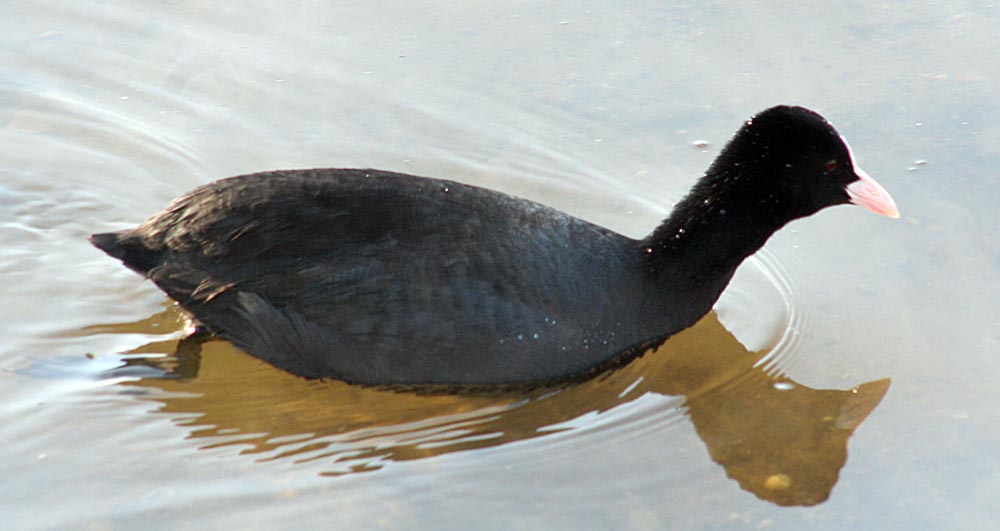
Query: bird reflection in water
(781,441)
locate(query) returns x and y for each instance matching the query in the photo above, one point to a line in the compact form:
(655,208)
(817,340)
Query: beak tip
(867,193)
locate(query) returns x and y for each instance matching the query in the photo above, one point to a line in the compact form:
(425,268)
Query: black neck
(708,235)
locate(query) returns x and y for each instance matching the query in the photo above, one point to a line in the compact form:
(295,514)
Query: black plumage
(377,277)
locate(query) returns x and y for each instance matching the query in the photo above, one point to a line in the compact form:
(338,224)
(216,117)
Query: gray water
(848,378)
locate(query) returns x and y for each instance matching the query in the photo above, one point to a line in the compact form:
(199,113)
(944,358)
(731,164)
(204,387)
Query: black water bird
(377,277)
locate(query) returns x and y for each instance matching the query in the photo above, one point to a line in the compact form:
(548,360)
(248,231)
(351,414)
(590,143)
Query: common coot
(376,277)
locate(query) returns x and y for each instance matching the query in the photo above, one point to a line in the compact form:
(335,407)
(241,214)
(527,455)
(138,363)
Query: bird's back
(378,277)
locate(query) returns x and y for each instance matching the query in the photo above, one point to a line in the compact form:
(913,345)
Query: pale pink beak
(870,194)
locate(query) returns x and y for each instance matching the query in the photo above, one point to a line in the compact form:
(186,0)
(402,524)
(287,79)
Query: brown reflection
(784,442)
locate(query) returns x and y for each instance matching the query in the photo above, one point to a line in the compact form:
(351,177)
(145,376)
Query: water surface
(848,377)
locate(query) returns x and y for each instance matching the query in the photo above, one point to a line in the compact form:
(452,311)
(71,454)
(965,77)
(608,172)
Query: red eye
(831,165)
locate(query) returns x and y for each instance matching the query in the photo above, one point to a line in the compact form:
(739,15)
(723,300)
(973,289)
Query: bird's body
(385,278)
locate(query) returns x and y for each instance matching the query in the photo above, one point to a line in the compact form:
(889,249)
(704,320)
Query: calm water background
(110,109)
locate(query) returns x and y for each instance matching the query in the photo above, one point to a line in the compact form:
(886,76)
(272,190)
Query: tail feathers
(129,248)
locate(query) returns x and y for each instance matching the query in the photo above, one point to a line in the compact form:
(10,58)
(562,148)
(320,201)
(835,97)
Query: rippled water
(776,411)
